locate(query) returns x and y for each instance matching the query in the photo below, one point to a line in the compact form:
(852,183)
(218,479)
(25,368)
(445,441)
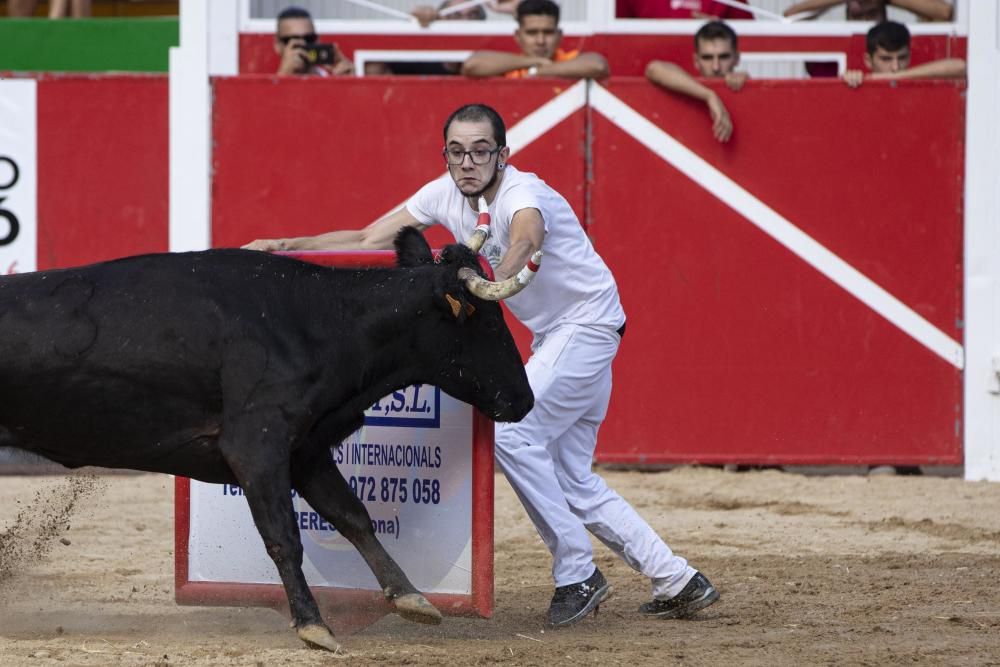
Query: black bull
(241,367)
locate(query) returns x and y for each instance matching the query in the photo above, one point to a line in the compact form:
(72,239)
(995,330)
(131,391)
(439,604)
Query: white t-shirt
(574,285)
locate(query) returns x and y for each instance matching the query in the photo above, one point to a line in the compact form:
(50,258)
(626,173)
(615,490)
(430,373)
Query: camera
(319,54)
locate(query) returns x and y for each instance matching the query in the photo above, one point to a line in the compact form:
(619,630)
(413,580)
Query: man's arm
(673,78)
(585,66)
(527,231)
(379,235)
(494,63)
(816,6)
(946,68)
(931,10)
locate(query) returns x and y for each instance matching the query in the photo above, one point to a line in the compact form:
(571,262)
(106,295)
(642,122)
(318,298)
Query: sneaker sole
(710,597)
(600,596)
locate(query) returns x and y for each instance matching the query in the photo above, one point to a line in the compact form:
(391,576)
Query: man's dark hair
(475,113)
(715,30)
(294,12)
(889,35)
(537,8)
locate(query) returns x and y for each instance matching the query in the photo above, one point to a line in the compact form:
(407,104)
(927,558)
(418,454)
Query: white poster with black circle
(18,176)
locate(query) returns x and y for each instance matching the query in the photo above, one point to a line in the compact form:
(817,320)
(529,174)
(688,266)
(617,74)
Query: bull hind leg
(319,481)
(266,484)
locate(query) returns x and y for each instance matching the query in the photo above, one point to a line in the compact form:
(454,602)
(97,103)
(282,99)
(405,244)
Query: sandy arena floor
(846,570)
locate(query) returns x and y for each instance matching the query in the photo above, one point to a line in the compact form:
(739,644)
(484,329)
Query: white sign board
(18,189)
(412,464)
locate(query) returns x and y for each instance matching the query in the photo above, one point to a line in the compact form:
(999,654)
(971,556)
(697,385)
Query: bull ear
(461,309)
(456,305)
(412,248)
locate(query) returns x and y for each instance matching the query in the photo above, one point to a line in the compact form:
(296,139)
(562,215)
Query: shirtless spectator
(888,58)
(716,55)
(538,35)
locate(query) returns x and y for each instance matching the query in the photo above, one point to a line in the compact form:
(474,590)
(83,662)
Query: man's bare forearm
(947,68)
(812,6)
(494,63)
(932,10)
(514,259)
(584,66)
(673,78)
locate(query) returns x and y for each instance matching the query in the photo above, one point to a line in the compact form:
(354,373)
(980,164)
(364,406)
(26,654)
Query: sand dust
(846,570)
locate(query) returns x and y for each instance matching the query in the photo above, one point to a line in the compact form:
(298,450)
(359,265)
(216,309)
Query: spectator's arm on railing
(931,10)
(946,68)
(585,66)
(815,6)
(675,79)
(494,63)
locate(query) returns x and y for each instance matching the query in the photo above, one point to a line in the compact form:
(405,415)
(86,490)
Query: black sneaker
(571,603)
(698,594)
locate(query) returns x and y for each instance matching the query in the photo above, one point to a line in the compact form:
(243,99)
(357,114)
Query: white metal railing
(579,18)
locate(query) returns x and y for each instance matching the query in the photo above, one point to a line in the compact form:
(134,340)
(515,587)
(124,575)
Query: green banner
(87,45)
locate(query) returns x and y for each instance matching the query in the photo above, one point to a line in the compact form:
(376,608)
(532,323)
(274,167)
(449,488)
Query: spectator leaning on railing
(538,34)
(716,55)
(888,57)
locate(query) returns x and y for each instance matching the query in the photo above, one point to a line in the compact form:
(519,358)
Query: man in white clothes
(573,310)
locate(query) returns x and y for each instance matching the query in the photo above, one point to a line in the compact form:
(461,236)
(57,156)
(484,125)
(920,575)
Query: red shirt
(676,9)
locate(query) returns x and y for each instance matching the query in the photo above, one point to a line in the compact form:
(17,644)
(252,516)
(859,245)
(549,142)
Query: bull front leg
(263,472)
(318,480)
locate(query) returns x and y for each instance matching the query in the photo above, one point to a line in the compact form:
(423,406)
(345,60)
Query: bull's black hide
(243,367)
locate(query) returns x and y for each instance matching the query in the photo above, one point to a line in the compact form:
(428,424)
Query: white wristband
(533,70)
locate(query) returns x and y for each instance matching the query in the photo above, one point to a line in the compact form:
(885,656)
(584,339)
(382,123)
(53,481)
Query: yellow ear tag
(456,305)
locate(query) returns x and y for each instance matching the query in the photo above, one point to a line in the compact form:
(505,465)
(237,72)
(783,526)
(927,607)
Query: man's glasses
(456,156)
(308,38)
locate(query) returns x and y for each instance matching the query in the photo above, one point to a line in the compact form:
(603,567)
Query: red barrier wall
(737,351)
(740,351)
(103,177)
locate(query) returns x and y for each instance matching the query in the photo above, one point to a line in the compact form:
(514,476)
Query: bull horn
(488,290)
(482,230)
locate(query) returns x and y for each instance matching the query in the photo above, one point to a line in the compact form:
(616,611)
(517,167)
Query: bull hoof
(318,636)
(415,607)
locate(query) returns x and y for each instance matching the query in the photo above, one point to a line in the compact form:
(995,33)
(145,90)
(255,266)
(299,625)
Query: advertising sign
(18,158)
(422,464)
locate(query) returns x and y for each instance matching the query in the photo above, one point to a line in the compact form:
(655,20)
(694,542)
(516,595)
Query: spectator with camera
(298,47)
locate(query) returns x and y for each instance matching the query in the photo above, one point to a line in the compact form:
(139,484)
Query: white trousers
(547,458)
